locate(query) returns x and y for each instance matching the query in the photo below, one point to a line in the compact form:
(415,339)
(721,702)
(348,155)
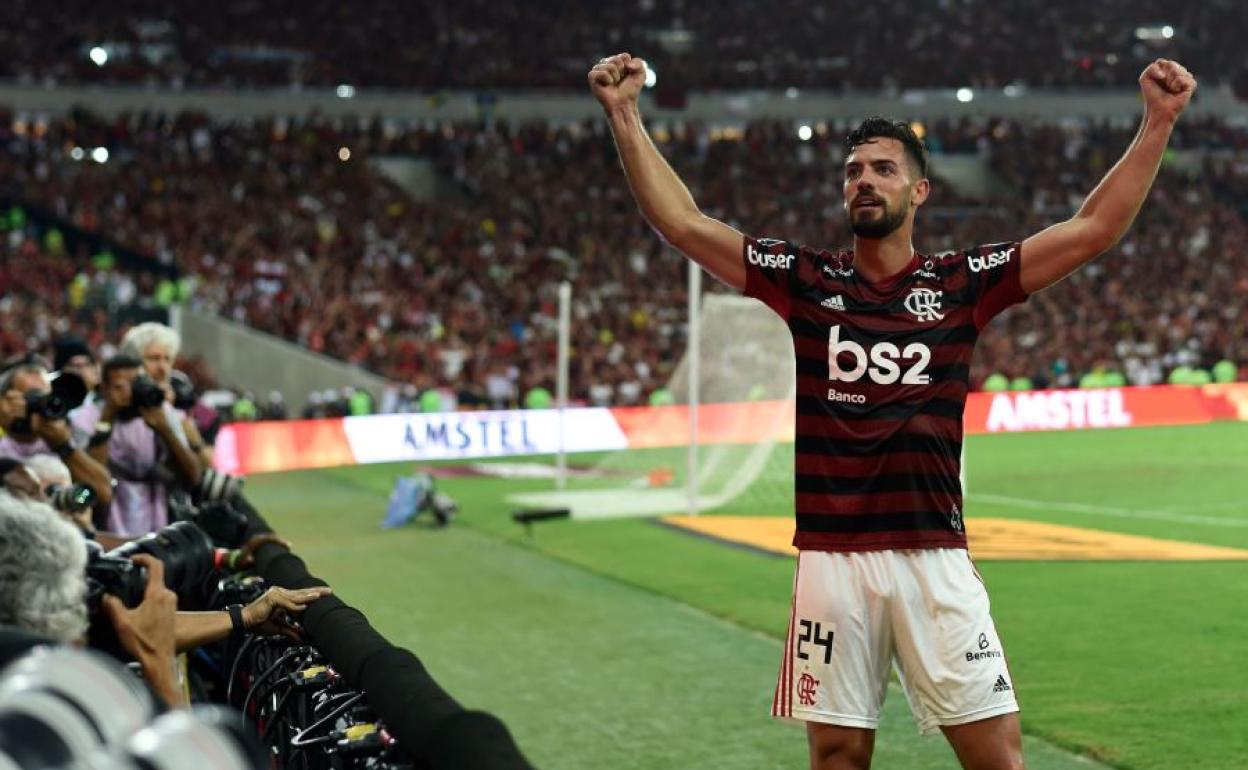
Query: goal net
(745,355)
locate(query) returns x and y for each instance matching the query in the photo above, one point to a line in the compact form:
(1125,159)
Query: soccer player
(883,338)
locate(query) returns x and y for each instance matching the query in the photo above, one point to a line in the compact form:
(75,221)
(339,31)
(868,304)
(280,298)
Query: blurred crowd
(736,44)
(285,225)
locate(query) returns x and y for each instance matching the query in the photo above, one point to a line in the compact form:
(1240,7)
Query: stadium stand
(260,217)
(437,45)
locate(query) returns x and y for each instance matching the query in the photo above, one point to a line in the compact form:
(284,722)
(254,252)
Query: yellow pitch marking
(990,539)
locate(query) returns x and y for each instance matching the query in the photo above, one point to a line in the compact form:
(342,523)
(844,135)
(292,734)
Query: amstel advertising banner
(277,446)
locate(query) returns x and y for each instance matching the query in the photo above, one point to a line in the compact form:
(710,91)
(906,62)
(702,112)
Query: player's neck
(878,258)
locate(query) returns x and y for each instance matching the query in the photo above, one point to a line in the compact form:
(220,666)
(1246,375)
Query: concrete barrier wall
(243,357)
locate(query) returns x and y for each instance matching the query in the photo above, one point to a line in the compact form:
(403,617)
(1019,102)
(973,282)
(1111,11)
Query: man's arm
(1108,212)
(147,631)
(184,460)
(664,200)
(196,440)
(82,467)
(270,614)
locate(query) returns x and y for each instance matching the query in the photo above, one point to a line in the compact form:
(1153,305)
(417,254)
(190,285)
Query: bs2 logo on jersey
(763,259)
(880,363)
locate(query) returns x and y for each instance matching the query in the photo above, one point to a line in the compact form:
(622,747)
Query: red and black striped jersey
(882,375)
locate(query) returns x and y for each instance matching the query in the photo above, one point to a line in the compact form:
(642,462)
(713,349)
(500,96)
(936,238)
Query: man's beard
(878,227)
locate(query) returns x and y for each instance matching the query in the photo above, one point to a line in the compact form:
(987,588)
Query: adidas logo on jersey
(1001,685)
(835,302)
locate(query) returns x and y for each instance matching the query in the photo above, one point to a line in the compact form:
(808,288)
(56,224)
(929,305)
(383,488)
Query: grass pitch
(622,644)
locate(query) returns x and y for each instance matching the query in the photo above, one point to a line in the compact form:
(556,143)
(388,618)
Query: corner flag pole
(561,386)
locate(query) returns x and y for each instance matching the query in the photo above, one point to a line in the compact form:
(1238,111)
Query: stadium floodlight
(99,55)
(1162,32)
(345,91)
(100,154)
(804,133)
(652,77)
(965,94)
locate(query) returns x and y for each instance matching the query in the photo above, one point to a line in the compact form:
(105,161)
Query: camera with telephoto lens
(238,589)
(67,393)
(183,390)
(113,575)
(224,524)
(183,548)
(145,393)
(70,499)
(217,485)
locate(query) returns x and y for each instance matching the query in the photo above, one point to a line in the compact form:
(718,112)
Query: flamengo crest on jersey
(882,375)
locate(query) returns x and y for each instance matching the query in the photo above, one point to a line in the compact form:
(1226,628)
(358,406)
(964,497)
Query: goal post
(738,351)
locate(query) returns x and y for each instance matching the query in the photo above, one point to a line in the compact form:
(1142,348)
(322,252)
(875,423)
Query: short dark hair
(877,127)
(116,364)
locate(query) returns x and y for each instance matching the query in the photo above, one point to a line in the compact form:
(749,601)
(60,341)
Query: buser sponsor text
(989,261)
(763,259)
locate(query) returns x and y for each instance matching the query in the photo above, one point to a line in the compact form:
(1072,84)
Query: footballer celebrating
(883,338)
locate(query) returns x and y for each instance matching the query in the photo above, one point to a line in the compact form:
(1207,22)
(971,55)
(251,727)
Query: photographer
(54,485)
(157,345)
(139,435)
(43,590)
(27,434)
(45,479)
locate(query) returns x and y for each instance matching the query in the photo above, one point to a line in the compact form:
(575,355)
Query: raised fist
(1167,87)
(617,80)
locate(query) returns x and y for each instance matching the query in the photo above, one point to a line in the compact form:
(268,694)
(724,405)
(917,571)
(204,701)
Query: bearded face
(879,188)
(873,216)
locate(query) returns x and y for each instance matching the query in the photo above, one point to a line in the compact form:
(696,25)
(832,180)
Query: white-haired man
(157,346)
(43,590)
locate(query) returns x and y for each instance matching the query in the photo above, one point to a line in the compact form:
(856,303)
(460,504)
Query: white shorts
(924,611)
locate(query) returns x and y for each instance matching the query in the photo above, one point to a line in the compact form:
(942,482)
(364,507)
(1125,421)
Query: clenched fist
(617,80)
(1167,87)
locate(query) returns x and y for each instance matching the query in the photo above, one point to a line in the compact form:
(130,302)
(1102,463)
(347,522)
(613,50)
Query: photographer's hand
(55,433)
(81,519)
(155,418)
(266,615)
(184,460)
(247,554)
(270,614)
(147,631)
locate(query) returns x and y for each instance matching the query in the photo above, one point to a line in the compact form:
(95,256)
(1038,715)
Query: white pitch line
(1103,510)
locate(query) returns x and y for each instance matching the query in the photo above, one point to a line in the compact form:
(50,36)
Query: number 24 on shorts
(811,635)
